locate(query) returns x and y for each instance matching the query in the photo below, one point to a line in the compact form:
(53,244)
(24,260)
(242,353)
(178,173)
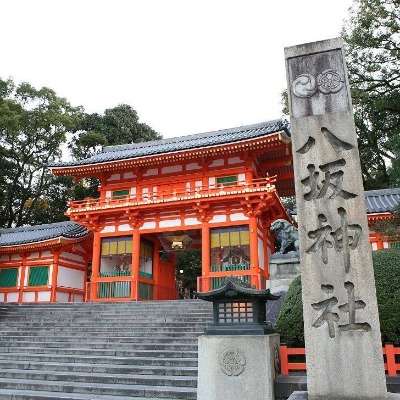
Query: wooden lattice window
(38,276)
(8,277)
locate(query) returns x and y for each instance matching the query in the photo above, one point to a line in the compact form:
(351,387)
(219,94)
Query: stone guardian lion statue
(287,236)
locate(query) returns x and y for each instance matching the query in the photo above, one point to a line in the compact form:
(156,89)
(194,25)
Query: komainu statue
(287,236)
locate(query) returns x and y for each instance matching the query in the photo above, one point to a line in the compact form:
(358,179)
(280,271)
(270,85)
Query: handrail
(388,350)
(161,196)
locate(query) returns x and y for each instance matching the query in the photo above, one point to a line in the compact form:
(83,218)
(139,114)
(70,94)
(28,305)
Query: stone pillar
(237,367)
(342,334)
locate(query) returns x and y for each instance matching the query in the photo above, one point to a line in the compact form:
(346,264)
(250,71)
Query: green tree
(118,125)
(33,127)
(372,37)
(188,261)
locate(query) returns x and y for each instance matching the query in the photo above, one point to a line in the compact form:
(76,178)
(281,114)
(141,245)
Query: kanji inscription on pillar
(344,355)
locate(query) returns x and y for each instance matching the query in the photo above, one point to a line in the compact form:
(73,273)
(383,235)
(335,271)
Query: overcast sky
(186,66)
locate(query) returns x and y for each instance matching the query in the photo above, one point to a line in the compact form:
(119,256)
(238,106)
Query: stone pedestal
(304,396)
(283,268)
(237,367)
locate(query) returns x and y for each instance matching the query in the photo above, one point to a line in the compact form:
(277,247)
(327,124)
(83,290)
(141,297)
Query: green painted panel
(145,291)
(120,193)
(395,245)
(145,275)
(38,276)
(8,277)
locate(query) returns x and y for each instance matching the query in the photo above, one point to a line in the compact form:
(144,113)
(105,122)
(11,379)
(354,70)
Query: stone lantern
(239,352)
(238,309)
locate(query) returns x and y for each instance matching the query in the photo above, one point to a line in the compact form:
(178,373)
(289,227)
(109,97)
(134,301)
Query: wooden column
(56,257)
(254,267)
(95,265)
(22,279)
(135,263)
(156,270)
(205,255)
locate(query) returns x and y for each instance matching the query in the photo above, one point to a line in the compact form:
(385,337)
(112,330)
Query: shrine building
(218,191)
(44,263)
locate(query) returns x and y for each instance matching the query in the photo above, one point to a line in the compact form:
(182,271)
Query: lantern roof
(233,289)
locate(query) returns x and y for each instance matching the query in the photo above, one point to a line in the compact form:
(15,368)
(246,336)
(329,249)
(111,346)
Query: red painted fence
(389,351)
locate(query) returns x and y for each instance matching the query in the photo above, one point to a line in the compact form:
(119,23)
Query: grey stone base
(304,396)
(237,367)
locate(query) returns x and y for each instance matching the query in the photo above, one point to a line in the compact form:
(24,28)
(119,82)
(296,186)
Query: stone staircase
(101,351)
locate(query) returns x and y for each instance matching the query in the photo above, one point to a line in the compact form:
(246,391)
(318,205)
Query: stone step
(60,358)
(98,352)
(103,378)
(167,334)
(100,388)
(12,394)
(102,345)
(22,367)
(106,338)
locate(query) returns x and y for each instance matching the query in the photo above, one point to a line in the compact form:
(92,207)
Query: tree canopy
(34,127)
(118,125)
(372,37)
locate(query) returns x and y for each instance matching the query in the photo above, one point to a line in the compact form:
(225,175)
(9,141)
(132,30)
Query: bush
(387,279)
(290,322)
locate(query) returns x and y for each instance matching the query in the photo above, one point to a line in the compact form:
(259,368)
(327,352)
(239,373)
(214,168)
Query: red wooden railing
(172,195)
(389,351)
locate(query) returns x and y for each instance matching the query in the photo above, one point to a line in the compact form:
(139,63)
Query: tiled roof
(200,140)
(383,200)
(39,233)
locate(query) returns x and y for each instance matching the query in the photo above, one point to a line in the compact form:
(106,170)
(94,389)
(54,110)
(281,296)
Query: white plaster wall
(12,297)
(33,255)
(1,297)
(72,257)
(385,245)
(234,160)
(211,181)
(4,258)
(44,296)
(108,228)
(261,261)
(192,166)
(28,297)
(133,191)
(151,172)
(62,297)
(191,221)
(69,277)
(129,175)
(241,178)
(149,225)
(114,177)
(47,254)
(169,223)
(124,228)
(217,163)
(16,257)
(374,246)
(78,298)
(239,217)
(171,169)
(218,218)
